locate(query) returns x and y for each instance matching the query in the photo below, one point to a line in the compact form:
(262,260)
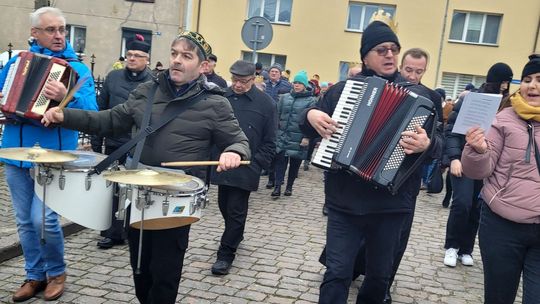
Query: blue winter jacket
(27,134)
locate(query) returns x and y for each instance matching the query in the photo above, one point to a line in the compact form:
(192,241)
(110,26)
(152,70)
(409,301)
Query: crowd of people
(492,182)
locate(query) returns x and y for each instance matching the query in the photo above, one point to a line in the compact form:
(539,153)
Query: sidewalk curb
(15,250)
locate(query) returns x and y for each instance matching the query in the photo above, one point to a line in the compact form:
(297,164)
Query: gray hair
(191,46)
(35,17)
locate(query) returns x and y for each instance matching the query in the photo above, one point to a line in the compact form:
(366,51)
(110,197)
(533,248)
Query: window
(360,14)
(267,60)
(344,67)
(277,11)
(454,83)
(148,1)
(129,33)
(475,28)
(76,35)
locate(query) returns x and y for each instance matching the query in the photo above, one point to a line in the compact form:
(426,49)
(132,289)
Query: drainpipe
(437,71)
(198,15)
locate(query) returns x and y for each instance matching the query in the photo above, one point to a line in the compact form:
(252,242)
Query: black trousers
(233,204)
(360,262)
(346,234)
(282,162)
(161,263)
(117,231)
(464,214)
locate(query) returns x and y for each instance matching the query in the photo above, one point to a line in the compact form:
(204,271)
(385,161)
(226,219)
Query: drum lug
(44,176)
(88,182)
(61,180)
(144,200)
(193,205)
(165,206)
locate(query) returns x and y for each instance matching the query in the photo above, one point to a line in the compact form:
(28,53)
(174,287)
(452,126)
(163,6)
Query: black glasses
(383,50)
(52,30)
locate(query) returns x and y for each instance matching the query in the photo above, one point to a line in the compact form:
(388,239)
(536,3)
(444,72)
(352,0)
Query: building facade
(464,38)
(100,27)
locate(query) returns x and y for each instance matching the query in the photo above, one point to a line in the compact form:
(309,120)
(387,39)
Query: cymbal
(37,154)
(146,177)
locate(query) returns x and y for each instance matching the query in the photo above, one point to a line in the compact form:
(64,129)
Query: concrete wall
(104,20)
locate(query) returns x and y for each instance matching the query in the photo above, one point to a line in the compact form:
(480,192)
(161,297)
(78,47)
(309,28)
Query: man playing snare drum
(44,263)
(189,136)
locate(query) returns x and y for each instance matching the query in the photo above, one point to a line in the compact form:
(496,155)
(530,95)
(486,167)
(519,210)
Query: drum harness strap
(148,129)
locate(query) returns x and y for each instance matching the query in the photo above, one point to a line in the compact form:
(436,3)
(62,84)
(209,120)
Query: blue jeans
(41,260)
(509,250)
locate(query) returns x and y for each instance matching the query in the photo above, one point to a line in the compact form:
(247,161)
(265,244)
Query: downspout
(198,15)
(537,36)
(437,71)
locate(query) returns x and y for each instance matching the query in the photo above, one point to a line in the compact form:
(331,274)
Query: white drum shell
(184,206)
(84,200)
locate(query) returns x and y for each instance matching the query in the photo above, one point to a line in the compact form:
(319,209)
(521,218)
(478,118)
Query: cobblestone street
(276,263)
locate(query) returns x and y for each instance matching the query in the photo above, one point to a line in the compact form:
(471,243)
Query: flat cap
(242,68)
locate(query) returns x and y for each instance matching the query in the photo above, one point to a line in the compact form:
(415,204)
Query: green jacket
(289,136)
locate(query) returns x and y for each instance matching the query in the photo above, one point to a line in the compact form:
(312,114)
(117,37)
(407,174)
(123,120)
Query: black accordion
(372,114)
(26,78)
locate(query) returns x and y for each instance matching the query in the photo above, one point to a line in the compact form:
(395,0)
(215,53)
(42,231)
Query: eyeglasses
(52,30)
(383,50)
(242,81)
(135,55)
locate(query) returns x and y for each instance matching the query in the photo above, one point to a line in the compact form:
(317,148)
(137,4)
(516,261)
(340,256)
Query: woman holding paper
(464,213)
(508,160)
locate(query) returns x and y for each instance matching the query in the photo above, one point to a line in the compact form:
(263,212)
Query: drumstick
(71,92)
(199,163)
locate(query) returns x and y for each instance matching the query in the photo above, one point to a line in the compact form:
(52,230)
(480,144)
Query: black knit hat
(376,32)
(138,44)
(532,67)
(499,72)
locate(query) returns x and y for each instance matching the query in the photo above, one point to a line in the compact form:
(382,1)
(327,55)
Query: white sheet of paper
(477,109)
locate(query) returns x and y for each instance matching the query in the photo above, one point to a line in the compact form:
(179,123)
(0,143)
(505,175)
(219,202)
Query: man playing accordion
(359,213)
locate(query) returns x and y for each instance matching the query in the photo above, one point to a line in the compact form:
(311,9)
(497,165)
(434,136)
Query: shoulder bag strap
(169,115)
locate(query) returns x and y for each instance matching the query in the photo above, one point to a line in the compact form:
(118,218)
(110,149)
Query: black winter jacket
(257,116)
(115,90)
(348,193)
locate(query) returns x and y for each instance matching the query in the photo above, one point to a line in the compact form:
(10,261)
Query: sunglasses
(383,50)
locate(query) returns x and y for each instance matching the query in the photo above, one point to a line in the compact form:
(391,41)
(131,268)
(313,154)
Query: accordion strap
(179,107)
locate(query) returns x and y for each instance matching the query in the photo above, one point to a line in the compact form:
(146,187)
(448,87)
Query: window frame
(482,29)
(71,37)
(245,53)
(458,85)
(363,13)
(276,12)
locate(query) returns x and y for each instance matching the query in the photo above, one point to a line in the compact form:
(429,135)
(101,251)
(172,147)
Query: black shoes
(221,267)
(288,191)
(270,184)
(277,191)
(306,165)
(107,243)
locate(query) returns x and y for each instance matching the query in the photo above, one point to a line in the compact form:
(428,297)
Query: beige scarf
(523,109)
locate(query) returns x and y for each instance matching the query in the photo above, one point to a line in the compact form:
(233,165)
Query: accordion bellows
(23,89)
(371,115)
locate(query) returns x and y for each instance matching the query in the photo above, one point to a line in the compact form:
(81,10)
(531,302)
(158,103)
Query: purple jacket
(511,182)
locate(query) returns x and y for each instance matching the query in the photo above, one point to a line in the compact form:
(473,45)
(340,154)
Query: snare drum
(169,206)
(85,200)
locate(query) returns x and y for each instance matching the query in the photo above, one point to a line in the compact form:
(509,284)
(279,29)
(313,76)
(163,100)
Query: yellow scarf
(523,109)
